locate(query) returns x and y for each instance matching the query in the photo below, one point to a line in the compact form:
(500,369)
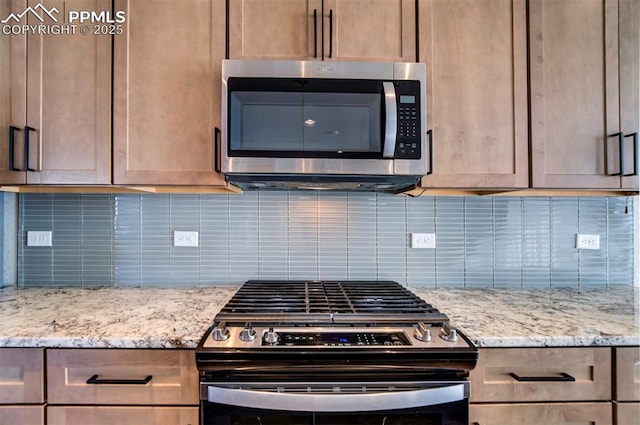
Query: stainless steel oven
(335,353)
(336,403)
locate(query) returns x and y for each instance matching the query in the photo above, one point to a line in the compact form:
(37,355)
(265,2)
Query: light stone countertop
(178,317)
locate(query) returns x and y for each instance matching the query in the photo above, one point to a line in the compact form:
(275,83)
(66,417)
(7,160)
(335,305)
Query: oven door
(366,403)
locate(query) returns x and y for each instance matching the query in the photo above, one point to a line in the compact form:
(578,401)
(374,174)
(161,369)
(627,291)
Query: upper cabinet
(475,52)
(584,92)
(370,30)
(55,107)
(167,82)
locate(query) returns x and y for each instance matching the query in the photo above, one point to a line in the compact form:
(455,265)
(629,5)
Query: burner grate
(314,302)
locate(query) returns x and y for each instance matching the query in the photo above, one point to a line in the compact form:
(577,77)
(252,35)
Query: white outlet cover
(185,238)
(39,238)
(584,241)
(423,240)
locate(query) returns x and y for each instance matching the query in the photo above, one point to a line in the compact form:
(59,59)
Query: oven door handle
(336,402)
(391,121)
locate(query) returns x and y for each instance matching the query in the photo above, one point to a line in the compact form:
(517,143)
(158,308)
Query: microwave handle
(391,121)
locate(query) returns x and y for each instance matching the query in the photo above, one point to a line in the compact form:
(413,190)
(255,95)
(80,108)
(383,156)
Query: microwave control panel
(408,145)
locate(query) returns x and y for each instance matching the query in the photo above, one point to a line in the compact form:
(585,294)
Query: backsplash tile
(480,241)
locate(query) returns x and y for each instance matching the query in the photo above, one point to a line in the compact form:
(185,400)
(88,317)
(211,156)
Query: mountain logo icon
(39,11)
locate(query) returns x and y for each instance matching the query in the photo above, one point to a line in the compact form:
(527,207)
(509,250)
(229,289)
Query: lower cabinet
(541,413)
(22,386)
(121,386)
(542,386)
(22,415)
(626,407)
(103,415)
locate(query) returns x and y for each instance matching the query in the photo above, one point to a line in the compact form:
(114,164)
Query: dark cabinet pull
(94,380)
(635,155)
(621,136)
(315,33)
(564,377)
(12,141)
(216,148)
(27,129)
(430,137)
(330,33)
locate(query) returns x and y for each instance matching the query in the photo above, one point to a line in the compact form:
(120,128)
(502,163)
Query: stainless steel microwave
(311,124)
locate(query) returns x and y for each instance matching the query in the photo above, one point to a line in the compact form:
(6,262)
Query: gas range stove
(333,352)
(341,322)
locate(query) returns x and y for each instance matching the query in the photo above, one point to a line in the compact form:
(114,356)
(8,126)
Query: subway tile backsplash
(480,241)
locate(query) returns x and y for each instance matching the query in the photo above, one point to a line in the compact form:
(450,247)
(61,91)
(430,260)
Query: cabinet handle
(12,131)
(94,380)
(635,155)
(216,148)
(330,33)
(27,129)
(315,33)
(430,137)
(564,377)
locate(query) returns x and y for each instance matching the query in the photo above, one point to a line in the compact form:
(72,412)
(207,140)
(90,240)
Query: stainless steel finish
(422,333)
(220,332)
(391,126)
(408,331)
(448,333)
(315,69)
(336,397)
(247,334)
(271,337)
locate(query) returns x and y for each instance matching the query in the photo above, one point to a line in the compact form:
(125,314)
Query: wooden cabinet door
(373,30)
(13,95)
(627,373)
(167,82)
(630,84)
(275,29)
(492,379)
(21,375)
(69,102)
(22,415)
(541,413)
(475,52)
(574,77)
(60,86)
(173,377)
(140,415)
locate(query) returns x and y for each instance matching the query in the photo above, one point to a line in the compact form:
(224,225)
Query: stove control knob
(449,334)
(247,334)
(271,337)
(220,332)
(422,333)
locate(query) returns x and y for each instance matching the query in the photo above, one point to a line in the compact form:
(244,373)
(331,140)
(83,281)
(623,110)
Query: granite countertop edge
(129,317)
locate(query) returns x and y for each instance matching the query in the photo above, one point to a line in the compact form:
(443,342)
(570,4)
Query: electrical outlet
(423,240)
(39,238)
(584,241)
(185,238)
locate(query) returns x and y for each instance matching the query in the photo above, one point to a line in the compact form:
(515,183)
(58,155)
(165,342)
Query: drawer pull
(564,377)
(94,380)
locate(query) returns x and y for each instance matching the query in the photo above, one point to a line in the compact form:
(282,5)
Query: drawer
(109,415)
(120,377)
(21,375)
(590,366)
(627,373)
(626,413)
(541,413)
(23,415)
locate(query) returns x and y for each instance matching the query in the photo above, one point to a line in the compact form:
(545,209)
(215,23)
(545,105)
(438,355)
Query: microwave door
(391,120)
